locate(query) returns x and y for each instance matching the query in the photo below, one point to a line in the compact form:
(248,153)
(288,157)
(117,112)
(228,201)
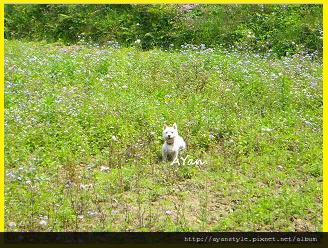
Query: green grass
(71,112)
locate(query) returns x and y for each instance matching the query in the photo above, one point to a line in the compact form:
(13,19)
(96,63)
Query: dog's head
(169,133)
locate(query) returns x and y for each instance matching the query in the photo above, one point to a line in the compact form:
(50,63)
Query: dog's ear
(175,126)
(165,126)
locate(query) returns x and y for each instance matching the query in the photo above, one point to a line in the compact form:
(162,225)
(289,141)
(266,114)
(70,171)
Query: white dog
(173,143)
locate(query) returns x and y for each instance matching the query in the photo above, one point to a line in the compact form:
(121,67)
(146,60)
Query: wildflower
(308,123)
(202,47)
(266,129)
(12,224)
(43,222)
(104,168)
(85,186)
(168,212)
(92,213)
(10,174)
(115,212)
(313,84)
(80,217)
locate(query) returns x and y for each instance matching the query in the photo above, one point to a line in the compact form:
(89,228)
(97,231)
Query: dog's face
(170,133)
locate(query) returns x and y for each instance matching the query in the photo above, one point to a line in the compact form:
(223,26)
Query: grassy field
(83,136)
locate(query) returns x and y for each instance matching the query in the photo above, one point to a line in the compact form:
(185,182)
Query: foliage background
(282,29)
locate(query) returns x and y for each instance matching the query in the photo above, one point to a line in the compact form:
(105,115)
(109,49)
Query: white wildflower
(43,222)
(104,168)
(92,213)
(266,129)
(12,224)
(168,212)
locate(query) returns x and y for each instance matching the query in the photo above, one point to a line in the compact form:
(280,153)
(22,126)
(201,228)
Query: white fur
(173,143)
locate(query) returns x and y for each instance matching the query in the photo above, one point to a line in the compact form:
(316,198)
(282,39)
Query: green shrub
(282,29)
